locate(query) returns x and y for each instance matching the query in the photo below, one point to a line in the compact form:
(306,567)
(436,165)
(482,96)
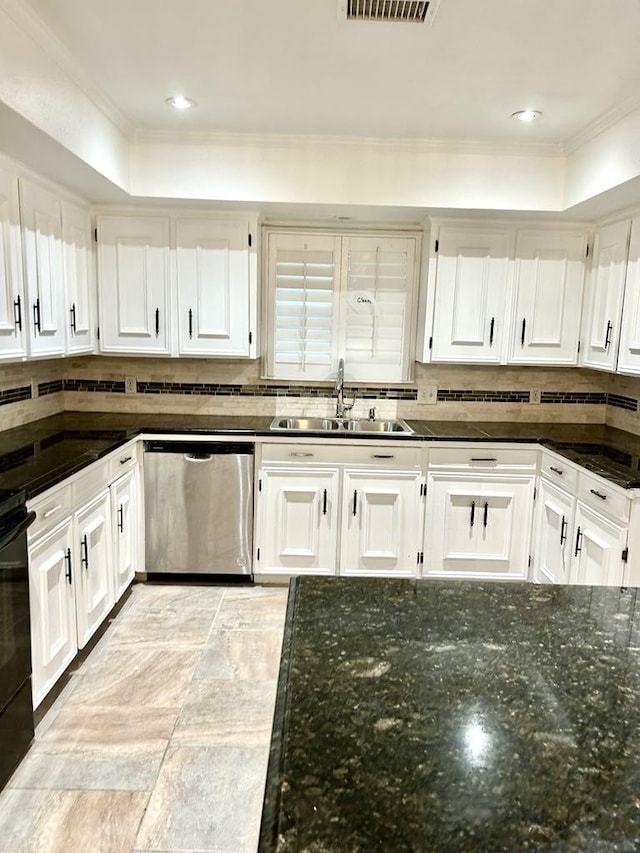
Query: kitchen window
(332,296)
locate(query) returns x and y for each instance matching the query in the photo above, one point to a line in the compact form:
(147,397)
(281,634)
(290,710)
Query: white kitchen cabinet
(127,524)
(478,525)
(212,258)
(298,520)
(43,269)
(12,304)
(629,353)
(553,537)
(380,534)
(604,296)
(134,284)
(94,588)
(52,599)
(548,285)
(598,549)
(333,296)
(471,285)
(78,279)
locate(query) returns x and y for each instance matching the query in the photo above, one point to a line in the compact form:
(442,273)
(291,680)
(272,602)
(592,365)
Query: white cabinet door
(125,515)
(76,244)
(629,355)
(553,534)
(12,305)
(604,294)
(94,589)
(133,284)
(42,246)
(470,295)
(378,275)
(380,523)
(52,608)
(298,521)
(478,526)
(549,275)
(598,546)
(212,259)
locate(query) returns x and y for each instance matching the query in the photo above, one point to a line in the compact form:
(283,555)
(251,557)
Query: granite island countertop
(455,717)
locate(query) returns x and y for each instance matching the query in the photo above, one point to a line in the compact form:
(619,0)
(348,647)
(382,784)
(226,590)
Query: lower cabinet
(337,519)
(82,556)
(478,526)
(553,538)
(598,549)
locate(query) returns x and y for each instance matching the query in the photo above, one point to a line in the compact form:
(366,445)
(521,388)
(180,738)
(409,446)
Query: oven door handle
(7,536)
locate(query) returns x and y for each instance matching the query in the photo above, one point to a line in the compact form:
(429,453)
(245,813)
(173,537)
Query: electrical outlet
(130,385)
(534,395)
(428,396)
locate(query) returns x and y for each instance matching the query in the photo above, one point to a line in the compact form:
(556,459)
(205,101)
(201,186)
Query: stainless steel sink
(394,426)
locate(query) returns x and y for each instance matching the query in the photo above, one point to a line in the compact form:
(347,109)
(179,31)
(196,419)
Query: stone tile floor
(160,741)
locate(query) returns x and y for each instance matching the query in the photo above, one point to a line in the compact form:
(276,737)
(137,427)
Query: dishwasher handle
(198,457)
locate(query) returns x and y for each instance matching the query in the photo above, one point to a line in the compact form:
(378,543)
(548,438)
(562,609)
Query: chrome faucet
(341,407)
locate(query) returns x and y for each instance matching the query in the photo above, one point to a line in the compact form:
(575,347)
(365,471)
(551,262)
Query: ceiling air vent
(408,11)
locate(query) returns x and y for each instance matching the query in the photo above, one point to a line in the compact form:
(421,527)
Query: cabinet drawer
(483,458)
(50,508)
(373,456)
(123,459)
(90,482)
(603,496)
(559,471)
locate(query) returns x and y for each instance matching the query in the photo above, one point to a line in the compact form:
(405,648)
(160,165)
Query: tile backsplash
(439,392)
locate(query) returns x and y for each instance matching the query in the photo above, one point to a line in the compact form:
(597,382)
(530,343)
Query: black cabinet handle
(72,311)
(125,459)
(324,503)
(17,313)
(578,542)
(473,513)
(607,337)
(492,327)
(157,322)
(486,515)
(557,471)
(563,530)
(524,326)
(84,552)
(382,456)
(190,323)
(598,494)
(121,518)
(67,559)
(483,459)
(36,315)
(355,502)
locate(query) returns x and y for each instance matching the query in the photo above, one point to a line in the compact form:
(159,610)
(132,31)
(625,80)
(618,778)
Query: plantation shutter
(377,302)
(303,270)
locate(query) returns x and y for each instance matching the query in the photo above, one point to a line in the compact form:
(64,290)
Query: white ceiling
(297,67)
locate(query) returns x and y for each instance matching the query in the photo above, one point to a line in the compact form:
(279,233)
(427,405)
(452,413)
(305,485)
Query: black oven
(16,711)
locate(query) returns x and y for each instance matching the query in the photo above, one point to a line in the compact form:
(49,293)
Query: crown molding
(603,122)
(264,140)
(33,25)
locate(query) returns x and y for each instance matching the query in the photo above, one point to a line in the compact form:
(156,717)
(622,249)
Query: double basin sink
(394,426)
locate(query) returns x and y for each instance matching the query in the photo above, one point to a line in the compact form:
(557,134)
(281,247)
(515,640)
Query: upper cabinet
(78,278)
(213,275)
(43,269)
(133,284)
(604,296)
(498,295)
(333,296)
(549,275)
(12,304)
(472,270)
(629,353)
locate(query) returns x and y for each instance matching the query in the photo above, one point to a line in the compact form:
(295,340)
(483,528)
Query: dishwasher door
(198,507)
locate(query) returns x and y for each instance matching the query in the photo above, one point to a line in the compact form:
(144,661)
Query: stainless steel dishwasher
(198,507)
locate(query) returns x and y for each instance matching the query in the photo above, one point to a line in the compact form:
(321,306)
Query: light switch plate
(534,395)
(428,396)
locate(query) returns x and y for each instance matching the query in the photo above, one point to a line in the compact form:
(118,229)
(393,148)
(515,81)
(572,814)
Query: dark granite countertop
(457,718)
(39,455)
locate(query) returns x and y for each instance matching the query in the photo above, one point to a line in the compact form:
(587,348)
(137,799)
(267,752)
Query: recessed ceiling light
(180,102)
(526,115)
